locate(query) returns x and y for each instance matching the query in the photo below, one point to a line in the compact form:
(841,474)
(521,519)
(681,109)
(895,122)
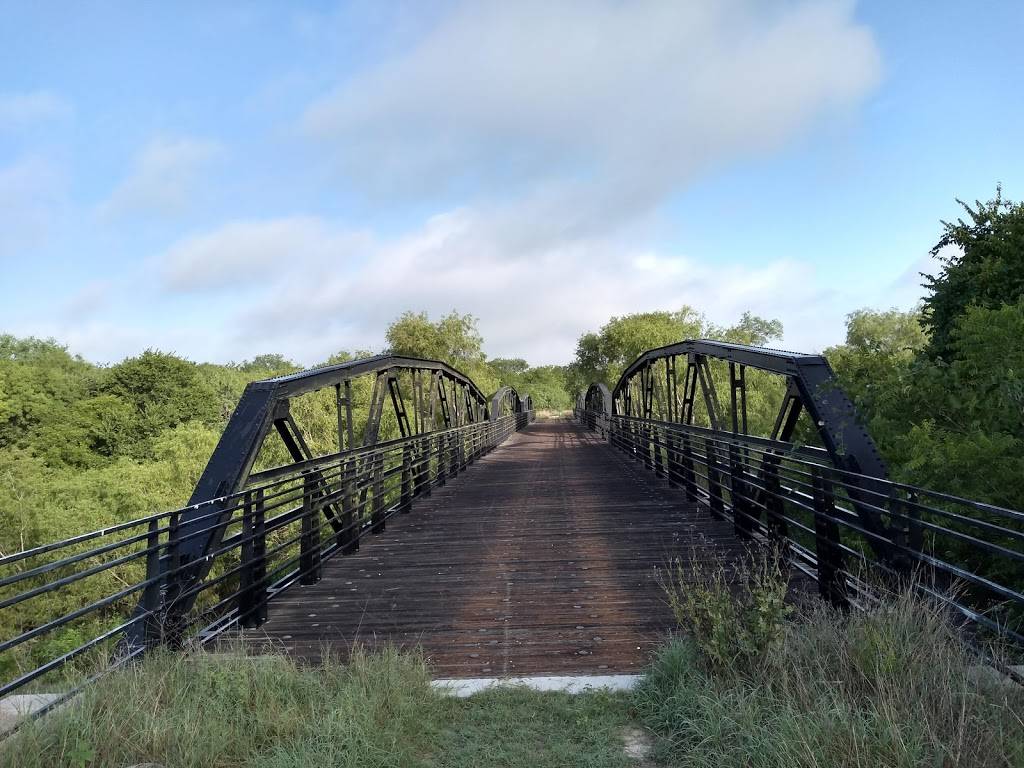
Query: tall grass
(216,711)
(375,710)
(893,686)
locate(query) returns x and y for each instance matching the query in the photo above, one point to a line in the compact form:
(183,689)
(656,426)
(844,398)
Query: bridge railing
(280,529)
(966,554)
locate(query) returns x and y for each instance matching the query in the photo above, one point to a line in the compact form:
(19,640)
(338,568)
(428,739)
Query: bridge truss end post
(152,595)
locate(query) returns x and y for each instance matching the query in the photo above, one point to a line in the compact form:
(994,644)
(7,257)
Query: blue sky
(222,180)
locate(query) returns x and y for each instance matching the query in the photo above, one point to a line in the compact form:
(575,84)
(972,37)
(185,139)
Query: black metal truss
(442,397)
(508,401)
(810,387)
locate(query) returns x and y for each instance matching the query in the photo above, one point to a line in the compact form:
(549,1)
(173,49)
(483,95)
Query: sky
(222,180)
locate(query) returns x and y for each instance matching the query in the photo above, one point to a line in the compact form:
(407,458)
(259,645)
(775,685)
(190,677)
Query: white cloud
(244,252)
(563,127)
(19,110)
(632,96)
(163,178)
(327,288)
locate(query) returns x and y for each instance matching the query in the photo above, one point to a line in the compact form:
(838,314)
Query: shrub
(733,618)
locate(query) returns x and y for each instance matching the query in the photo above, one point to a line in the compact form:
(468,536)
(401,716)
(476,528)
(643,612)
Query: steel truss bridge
(443,519)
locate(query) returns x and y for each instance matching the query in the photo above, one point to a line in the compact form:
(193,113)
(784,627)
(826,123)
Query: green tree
(453,339)
(268,365)
(982,265)
(164,390)
(602,356)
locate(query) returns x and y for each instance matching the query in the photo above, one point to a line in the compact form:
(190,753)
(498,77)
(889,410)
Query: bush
(734,619)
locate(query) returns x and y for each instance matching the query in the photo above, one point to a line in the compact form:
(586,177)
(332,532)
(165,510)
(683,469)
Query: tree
(508,369)
(602,356)
(164,391)
(982,265)
(453,339)
(268,365)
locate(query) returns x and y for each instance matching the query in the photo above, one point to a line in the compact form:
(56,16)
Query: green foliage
(951,425)
(546,384)
(982,265)
(453,339)
(893,686)
(163,390)
(734,619)
(604,355)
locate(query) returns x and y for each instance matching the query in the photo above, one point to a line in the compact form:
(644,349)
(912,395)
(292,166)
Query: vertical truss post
(407,491)
(672,463)
(252,599)
(827,542)
(657,442)
(774,507)
(738,396)
(378,494)
(716,489)
(348,536)
(647,400)
(741,507)
(689,395)
(707,386)
(740,495)
(309,541)
(422,484)
(151,594)
(442,465)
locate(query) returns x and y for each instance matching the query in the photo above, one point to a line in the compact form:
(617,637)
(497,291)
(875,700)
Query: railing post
(252,597)
(647,440)
(348,536)
(659,467)
(407,491)
(716,490)
(689,476)
(309,541)
(423,466)
(742,524)
(453,453)
(151,595)
(379,522)
(827,544)
(672,465)
(777,528)
(442,465)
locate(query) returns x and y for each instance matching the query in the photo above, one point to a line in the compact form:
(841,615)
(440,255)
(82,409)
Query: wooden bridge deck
(542,558)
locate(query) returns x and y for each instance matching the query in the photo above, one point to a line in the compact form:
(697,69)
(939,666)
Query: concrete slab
(14,708)
(463,687)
